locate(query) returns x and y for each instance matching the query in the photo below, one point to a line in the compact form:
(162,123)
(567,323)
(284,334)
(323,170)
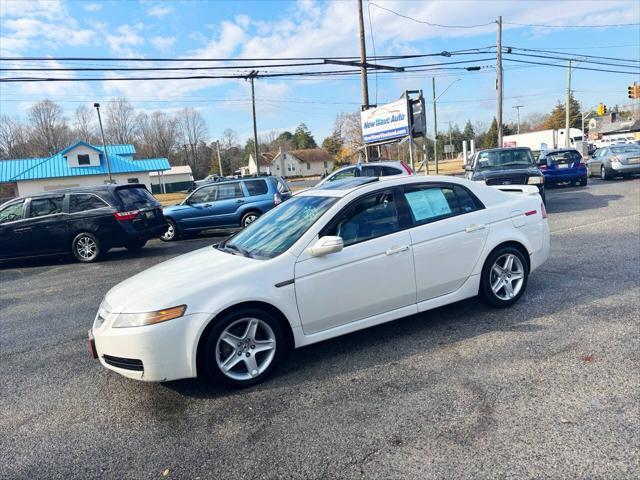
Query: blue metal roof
(57,165)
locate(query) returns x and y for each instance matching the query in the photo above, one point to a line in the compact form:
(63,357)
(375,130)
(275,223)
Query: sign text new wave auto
(385,122)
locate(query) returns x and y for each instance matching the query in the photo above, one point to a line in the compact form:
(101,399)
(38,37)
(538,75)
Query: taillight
(276,199)
(122,216)
(582,164)
(406,168)
(543,210)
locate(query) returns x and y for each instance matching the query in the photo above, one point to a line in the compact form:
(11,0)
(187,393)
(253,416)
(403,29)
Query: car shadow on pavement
(575,200)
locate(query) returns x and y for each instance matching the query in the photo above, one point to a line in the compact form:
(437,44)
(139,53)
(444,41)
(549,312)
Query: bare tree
(49,131)
(194,131)
(229,139)
(119,121)
(13,138)
(84,124)
(158,135)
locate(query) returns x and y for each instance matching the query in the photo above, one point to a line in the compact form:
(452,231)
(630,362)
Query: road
(549,388)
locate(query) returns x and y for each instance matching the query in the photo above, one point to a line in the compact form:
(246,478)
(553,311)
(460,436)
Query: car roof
(502,148)
(89,189)
(558,150)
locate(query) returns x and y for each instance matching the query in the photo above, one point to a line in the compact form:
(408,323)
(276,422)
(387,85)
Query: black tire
(604,175)
(172,232)
(486,291)
(207,358)
(135,245)
(249,218)
(583,182)
(86,247)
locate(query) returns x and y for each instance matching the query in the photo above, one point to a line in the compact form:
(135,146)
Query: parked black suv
(83,221)
(506,166)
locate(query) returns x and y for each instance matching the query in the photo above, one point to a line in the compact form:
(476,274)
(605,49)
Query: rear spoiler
(525,189)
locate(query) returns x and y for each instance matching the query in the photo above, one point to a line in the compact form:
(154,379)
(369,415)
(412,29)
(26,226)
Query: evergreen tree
(302,138)
(334,143)
(468,133)
(557,118)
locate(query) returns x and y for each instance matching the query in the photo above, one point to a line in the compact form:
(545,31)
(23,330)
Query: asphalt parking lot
(547,389)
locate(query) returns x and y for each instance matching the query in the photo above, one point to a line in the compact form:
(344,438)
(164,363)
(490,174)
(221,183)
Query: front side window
(256,187)
(84,160)
(227,191)
(373,216)
(12,212)
(45,206)
(203,195)
(81,202)
(278,229)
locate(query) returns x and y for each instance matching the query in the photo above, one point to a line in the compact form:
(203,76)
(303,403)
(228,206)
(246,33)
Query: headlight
(535,181)
(123,320)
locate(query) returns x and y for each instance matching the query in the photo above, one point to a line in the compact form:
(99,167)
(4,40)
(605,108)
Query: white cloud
(162,43)
(159,11)
(92,7)
(127,36)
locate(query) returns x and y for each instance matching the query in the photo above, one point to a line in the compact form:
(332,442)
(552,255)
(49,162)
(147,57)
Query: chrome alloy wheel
(169,233)
(86,248)
(245,349)
(507,276)
(252,217)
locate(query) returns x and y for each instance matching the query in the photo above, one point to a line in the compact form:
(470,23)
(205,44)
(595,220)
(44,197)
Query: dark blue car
(563,165)
(227,204)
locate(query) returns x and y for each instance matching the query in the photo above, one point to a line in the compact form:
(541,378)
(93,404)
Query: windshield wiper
(242,251)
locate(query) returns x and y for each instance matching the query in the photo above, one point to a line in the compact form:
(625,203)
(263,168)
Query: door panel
(47,226)
(363,280)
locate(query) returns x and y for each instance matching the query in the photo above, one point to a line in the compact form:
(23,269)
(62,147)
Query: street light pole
(104,143)
(518,107)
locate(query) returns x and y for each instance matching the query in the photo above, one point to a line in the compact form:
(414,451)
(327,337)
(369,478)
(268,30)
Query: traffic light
(634,90)
(602,109)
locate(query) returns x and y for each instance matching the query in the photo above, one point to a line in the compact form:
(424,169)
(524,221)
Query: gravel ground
(547,389)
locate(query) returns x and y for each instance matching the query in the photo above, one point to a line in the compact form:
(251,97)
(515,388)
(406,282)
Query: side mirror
(325,246)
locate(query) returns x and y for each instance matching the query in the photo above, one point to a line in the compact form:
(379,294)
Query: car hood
(506,172)
(177,281)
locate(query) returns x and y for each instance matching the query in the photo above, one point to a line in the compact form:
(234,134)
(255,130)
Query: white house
(78,165)
(176,179)
(296,163)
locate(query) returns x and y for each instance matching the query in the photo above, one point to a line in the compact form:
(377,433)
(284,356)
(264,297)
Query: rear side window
(282,186)
(229,190)
(45,206)
(81,202)
(138,197)
(429,203)
(347,173)
(256,187)
(388,171)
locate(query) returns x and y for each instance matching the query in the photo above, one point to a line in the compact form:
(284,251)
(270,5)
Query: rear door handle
(475,227)
(395,250)
(206,205)
(22,230)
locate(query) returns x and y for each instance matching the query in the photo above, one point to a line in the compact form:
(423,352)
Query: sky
(309,28)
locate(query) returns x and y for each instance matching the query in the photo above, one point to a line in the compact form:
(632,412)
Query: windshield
(274,232)
(626,149)
(504,158)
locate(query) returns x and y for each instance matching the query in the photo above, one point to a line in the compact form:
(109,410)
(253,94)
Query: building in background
(78,165)
(296,163)
(176,179)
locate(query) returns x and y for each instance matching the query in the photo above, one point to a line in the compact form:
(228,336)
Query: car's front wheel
(603,173)
(86,247)
(504,277)
(243,347)
(171,233)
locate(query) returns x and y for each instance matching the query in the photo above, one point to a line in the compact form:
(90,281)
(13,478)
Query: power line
(576,58)
(573,59)
(573,26)
(424,22)
(573,66)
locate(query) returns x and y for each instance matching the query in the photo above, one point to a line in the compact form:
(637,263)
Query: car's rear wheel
(504,277)
(583,182)
(171,233)
(135,245)
(249,218)
(243,347)
(86,247)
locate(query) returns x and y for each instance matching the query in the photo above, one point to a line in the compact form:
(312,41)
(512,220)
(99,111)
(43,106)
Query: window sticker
(427,204)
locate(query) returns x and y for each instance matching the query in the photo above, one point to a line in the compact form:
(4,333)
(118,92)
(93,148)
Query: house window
(84,160)
(308,166)
(325,164)
(133,180)
(277,167)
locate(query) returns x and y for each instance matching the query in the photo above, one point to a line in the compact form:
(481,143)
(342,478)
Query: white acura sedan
(333,260)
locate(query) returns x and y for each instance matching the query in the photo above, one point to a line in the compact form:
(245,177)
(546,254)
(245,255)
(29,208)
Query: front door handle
(206,205)
(394,250)
(475,227)
(240,201)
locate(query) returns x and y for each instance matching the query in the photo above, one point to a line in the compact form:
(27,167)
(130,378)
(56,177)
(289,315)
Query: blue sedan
(564,165)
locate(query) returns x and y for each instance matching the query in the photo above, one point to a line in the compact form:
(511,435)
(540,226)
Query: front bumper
(153,353)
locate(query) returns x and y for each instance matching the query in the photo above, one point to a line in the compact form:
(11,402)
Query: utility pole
(219,159)
(451,153)
(518,107)
(499,82)
(104,143)
(435,125)
(252,76)
(567,116)
(363,69)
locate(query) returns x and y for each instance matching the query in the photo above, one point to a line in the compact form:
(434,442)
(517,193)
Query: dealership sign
(386,122)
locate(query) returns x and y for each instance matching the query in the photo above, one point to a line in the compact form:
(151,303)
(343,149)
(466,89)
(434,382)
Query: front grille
(126,363)
(515,180)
